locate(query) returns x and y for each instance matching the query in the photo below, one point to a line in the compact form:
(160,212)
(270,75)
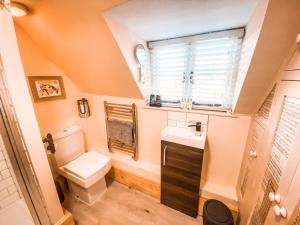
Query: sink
(183,136)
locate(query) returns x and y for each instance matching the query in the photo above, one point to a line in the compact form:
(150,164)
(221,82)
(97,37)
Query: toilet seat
(87,164)
(86,169)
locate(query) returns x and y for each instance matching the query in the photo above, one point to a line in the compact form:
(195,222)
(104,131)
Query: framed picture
(46,88)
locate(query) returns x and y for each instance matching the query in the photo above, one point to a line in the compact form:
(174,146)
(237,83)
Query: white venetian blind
(201,67)
(214,70)
(168,65)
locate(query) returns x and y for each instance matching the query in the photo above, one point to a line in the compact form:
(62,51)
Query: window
(200,68)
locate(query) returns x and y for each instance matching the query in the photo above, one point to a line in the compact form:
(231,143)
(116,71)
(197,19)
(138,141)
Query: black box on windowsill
(155,101)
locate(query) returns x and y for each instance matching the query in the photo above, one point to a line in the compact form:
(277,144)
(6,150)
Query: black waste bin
(216,213)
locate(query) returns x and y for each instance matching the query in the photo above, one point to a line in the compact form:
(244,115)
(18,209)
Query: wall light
(18,9)
(83,108)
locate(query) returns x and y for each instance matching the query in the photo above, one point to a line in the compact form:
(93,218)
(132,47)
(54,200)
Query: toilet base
(88,195)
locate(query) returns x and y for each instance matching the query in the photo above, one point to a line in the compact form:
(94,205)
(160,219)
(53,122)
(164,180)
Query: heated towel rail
(124,112)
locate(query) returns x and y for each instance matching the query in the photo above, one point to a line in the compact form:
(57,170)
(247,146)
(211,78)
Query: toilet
(83,170)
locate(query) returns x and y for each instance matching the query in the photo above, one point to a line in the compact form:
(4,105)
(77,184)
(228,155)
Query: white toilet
(84,171)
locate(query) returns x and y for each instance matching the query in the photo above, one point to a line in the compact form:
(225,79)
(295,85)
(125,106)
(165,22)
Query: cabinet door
(180,177)
(284,156)
(254,159)
(289,206)
(251,177)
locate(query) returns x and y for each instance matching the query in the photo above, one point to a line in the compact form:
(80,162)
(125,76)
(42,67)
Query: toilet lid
(87,164)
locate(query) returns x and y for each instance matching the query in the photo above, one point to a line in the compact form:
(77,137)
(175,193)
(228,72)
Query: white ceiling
(161,19)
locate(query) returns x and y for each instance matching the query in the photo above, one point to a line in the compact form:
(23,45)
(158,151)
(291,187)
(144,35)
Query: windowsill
(196,111)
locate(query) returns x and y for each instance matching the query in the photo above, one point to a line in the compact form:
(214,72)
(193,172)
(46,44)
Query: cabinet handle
(165,152)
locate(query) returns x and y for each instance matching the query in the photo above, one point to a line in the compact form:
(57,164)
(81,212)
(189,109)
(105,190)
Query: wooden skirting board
(67,219)
(136,182)
(150,187)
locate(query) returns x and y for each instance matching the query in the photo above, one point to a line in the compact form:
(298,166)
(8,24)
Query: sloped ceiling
(278,34)
(75,36)
(157,19)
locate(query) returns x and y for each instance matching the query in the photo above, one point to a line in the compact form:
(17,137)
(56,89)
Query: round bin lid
(217,211)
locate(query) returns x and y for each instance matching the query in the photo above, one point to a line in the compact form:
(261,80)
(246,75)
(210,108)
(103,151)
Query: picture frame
(46,88)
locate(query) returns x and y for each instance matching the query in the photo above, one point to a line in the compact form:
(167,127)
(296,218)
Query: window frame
(189,41)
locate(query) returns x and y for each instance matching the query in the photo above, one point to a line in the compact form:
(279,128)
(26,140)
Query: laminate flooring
(121,205)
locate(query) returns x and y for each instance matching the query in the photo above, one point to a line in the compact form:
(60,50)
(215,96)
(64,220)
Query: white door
(256,157)
(284,156)
(287,212)
(288,192)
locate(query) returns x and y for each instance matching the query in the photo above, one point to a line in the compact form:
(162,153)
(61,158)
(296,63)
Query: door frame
(18,155)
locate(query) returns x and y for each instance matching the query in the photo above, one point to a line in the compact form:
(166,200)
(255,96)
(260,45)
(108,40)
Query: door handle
(274,197)
(280,211)
(165,152)
(253,154)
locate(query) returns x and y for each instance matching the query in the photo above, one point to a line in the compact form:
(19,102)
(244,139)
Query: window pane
(201,67)
(214,68)
(168,65)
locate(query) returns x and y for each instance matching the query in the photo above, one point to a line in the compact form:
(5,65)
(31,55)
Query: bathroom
(209,90)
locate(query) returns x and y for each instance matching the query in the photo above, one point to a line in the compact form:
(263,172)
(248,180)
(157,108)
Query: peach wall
(150,123)
(127,42)
(222,144)
(226,134)
(225,145)
(77,39)
(277,22)
(51,115)
(253,30)
(20,97)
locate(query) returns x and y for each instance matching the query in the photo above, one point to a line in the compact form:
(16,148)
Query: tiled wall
(9,192)
(183,119)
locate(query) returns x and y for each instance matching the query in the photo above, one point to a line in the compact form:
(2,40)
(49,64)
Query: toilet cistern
(84,170)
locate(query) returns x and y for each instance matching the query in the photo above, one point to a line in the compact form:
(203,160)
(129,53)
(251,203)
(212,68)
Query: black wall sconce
(83,108)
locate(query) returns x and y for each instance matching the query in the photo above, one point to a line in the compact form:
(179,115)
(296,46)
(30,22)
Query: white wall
(20,97)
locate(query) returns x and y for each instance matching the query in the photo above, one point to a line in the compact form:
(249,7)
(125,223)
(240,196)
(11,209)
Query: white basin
(183,136)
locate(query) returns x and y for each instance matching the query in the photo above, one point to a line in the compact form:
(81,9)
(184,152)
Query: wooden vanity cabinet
(180,177)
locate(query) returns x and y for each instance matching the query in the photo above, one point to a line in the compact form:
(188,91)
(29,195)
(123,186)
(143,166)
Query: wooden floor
(121,206)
